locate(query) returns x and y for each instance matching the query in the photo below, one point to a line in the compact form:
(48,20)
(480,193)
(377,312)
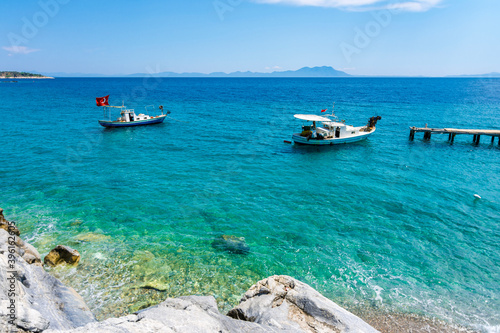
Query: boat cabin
(128,115)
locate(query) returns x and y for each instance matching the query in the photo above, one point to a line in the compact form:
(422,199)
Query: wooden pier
(452,132)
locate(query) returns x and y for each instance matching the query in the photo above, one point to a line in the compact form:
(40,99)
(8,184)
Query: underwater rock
(99,256)
(62,254)
(76,223)
(155,285)
(283,302)
(231,244)
(143,255)
(91,237)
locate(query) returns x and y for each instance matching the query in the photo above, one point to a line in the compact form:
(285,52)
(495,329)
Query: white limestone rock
(283,302)
(190,314)
(41,300)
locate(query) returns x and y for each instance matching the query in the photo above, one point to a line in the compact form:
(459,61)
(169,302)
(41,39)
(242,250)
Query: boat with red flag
(128,117)
(329,130)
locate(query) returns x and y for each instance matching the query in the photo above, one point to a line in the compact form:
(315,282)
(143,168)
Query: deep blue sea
(385,223)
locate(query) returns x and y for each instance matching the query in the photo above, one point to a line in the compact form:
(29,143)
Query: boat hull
(300,140)
(152,121)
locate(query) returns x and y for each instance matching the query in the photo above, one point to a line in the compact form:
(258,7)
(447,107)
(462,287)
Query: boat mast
(333,116)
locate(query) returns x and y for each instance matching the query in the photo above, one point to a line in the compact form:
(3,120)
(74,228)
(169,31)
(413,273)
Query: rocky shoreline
(32,300)
(26,78)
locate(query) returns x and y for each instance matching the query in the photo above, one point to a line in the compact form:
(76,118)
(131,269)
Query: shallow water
(386,222)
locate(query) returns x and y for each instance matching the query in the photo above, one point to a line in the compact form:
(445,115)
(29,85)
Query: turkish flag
(102,101)
(324,110)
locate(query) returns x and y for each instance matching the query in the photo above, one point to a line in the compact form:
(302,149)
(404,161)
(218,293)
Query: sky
(360,37)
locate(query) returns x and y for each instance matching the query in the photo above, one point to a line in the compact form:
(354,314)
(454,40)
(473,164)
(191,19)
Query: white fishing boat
(328,130)
(128,117)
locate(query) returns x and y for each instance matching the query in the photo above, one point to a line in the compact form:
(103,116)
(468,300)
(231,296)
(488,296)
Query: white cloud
(414,6)
(356,5)
(274,68)
(18,50)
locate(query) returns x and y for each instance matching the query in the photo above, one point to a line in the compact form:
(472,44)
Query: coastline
(370,318)
(27,78)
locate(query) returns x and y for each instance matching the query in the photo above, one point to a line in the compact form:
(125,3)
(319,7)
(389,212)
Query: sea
(387,223)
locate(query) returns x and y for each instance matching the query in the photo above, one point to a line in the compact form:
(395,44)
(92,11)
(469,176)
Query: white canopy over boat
(311,117)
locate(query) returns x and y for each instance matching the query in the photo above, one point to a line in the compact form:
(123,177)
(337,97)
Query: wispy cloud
(19,50)
(356,5)
(274,68)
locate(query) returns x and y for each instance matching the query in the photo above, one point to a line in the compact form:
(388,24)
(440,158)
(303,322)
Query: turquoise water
(386,223)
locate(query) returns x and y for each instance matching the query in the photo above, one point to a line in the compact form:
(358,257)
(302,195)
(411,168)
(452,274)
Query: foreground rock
(62,255)
(276,304)
(282,302)
(191,314)
(30,298)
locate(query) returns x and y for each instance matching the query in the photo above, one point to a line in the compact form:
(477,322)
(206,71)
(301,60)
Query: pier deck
(452,132)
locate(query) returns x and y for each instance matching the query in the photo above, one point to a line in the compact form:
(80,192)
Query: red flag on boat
(102,101)
(324,110)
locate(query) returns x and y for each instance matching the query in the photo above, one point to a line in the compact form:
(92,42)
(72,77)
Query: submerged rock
(155,285)
(282,302)
(91,237)
(76,223)
(143,255)
(231,244)
(62,254)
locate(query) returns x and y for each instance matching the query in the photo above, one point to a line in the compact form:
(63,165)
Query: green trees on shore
(18,74)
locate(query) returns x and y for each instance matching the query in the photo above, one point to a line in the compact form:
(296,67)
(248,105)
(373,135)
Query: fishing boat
(329,130)
(127,116)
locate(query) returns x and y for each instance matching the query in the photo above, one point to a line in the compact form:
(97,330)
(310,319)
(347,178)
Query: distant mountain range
(492,74)
(324,71)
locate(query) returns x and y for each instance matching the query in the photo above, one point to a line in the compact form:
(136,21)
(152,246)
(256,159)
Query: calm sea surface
(386,223)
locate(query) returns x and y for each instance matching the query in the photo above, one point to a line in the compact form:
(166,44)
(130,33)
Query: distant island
(324,71)
(21,75)
(492,74)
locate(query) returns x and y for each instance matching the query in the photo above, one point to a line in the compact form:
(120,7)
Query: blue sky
(363,37)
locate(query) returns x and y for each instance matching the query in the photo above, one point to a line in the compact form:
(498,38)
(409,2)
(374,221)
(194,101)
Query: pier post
(412,134)
(453,137)
(474,138)
(449,137)
(478,137)
(492,139)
